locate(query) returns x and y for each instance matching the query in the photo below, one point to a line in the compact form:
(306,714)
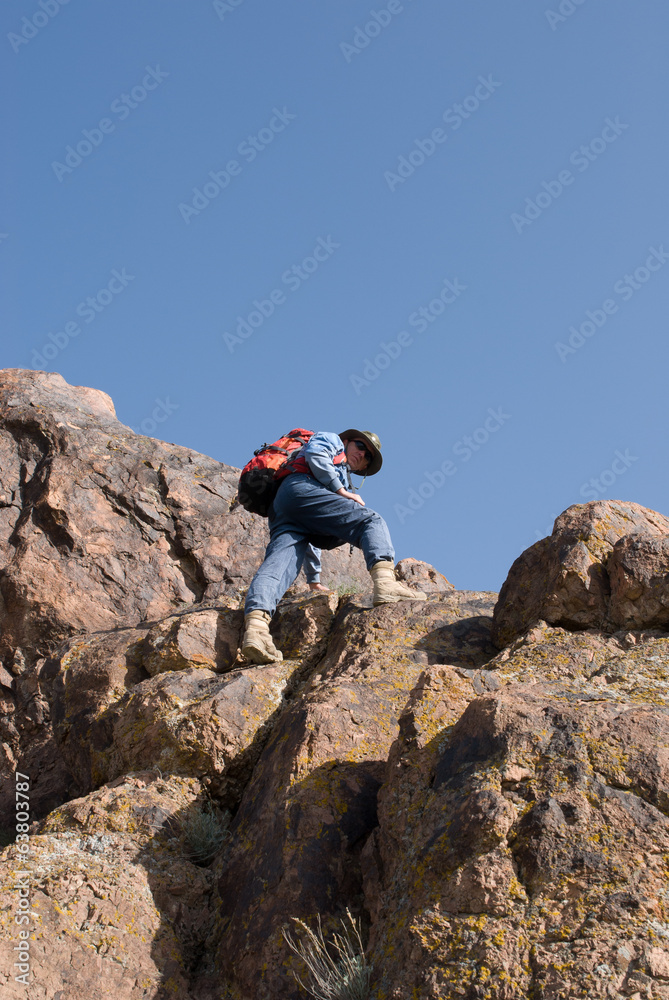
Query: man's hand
(351,496)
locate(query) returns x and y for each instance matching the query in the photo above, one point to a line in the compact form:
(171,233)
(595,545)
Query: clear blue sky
(517,151)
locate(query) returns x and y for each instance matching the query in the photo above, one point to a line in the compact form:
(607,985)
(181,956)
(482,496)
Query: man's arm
(319,453)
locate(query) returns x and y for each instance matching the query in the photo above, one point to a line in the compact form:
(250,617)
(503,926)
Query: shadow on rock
(115,899)
(301,859)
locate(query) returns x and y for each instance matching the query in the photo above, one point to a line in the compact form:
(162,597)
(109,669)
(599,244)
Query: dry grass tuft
(338,970)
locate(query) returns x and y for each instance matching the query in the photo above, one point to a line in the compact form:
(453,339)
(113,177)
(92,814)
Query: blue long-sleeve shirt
(319,451)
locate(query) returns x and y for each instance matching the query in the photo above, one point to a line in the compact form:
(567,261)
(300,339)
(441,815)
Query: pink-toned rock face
(191,722)
(109,527)
(523,853)
(573,579)
(102,528)
(498,818)
(311,803)
(639,573)
(422,576)
(116,910)
(123,700)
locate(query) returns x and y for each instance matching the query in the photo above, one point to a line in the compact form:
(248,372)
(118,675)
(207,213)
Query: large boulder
(523,851)
(604,566)
(107,527)
(422,576)
(311,803)
(630,668)
(190,722)
(639,574)
(175,694)
(101,528)
(115,907)
(497,818)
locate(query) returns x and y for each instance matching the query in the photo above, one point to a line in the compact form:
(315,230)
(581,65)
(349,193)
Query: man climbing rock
(316,508)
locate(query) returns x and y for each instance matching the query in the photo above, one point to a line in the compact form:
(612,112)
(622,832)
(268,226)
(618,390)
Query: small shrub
(204,832)
(337,972)
(348,588)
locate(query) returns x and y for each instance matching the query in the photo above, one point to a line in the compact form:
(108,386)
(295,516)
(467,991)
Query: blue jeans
(305,512)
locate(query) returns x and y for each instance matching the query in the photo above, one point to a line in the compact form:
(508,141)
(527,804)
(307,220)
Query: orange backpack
(258,482)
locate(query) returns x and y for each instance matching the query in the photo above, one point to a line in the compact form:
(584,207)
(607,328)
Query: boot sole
(395,600)
(259,657)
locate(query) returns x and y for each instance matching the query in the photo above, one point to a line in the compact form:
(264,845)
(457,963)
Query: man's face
(358,455)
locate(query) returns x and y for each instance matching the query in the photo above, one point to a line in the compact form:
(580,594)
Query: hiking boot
(257,644)
(388,590)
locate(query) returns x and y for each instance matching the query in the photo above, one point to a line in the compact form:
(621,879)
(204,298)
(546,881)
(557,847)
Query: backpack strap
(298,463)
(270,447)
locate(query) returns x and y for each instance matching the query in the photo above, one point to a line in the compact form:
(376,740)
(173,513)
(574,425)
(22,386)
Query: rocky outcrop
(102,528)
(422,576)
(605,565)
(310,806)
(116,910)
(484,782)
(639,575)
(525,855)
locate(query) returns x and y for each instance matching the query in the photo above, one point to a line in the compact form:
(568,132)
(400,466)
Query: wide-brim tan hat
(372,442)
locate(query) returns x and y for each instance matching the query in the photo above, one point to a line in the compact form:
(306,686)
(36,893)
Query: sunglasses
(361,446)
